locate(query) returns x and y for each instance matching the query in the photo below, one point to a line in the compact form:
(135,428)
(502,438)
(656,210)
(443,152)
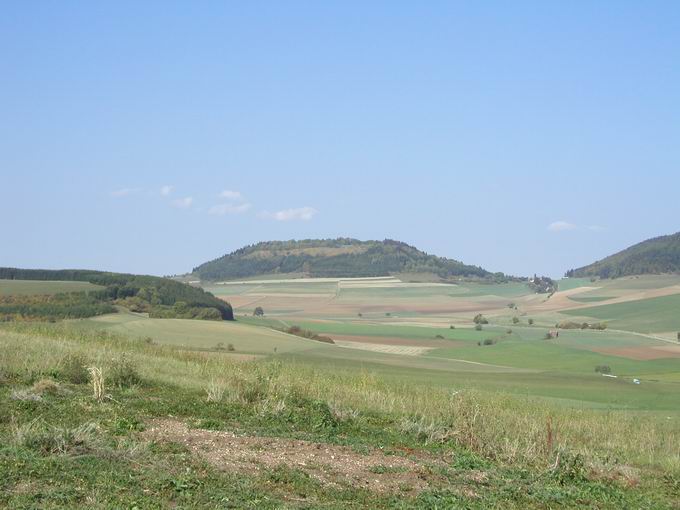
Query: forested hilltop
(160,297)
(341,257)
(654,256)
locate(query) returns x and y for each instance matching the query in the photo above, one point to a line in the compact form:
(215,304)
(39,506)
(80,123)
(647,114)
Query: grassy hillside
(332,258)
(201,430)
(160,297)
(657,314)
(653,256)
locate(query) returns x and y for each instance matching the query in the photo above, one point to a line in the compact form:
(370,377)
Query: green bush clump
(123,373)
(74,369)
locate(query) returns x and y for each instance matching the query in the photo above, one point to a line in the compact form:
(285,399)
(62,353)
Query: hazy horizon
(150,138)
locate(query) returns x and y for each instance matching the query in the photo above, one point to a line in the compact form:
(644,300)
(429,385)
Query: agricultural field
(422,325)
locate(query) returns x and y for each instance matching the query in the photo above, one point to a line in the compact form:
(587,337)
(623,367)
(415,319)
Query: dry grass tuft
(97,379)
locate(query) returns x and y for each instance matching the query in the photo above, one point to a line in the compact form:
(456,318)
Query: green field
(36,287)
(192,334)
(656,314)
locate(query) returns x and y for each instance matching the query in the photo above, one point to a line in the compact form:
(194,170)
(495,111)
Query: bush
(478,327)
(568,325)
(258,312)
(603,369)
(515,320)
(480,319)
(531,322)
(439,337)
(74,369)
(305,333)
(508,331)
(123,373)
(231,348)
(488,341)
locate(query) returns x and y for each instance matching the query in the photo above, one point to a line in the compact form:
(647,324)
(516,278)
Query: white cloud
(561,226)
(183,203)
(231,195)
(300,213)
(166,190)
(124,192)
(223,209)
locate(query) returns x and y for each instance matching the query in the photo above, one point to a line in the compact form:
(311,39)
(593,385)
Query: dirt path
(330,464)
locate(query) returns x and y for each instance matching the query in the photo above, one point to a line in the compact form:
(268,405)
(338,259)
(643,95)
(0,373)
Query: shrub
(508,331)
(123,372)
(568,325)
(305,333)
(678,336)
(488,341)
(454,327)
(258,312)
(603,369)
(515,320)
(439,337)
(74,369)
(231,348)
(480,319)
(531,322)
(478,327)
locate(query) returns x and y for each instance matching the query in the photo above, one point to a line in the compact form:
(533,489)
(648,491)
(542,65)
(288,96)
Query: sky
(149,137)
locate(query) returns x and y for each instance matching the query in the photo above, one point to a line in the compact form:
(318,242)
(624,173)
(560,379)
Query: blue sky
(520,136)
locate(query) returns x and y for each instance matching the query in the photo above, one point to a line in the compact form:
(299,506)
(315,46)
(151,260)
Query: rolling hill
(658,255)
(160,297)
(340,257)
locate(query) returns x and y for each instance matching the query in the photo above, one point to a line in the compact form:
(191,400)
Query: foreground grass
(62,448)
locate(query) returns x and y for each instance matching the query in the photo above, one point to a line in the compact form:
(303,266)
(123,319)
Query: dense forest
(654,256)
(341,257)
(160,297)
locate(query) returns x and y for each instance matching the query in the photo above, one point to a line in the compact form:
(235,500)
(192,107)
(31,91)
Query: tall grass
(496,425)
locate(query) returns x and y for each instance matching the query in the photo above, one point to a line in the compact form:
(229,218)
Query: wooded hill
(160,297)
(658,255)
(342,257)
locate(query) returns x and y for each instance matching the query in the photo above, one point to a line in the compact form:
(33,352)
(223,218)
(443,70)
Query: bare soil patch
(330,464)
(642,352)
(389,340)
(404,350)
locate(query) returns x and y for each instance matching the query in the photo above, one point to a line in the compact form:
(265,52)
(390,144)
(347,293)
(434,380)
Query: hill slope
(653,256)
(160,297)
(332,258)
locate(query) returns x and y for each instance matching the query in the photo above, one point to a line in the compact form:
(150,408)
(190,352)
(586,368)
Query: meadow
(395,442)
